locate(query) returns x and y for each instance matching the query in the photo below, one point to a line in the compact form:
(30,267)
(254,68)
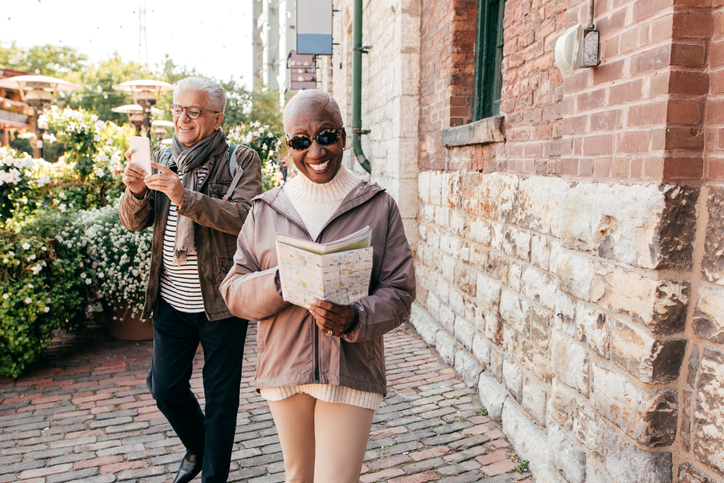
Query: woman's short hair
(217,96)
(312,97)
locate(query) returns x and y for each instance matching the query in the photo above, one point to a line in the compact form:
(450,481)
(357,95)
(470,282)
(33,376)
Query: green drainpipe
(357,88)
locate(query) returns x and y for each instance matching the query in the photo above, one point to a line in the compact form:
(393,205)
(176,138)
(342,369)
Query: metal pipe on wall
(357,87)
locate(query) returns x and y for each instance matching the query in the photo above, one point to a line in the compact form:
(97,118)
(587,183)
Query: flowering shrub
(263,140)
(119,260)
(40,291)
(16,181)
(80,130)
(61,188)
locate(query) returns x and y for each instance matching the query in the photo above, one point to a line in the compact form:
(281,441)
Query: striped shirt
(180,285)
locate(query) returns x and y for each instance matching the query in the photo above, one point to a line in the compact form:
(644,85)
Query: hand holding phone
(141,156)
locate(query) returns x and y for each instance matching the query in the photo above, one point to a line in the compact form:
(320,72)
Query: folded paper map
(338,272)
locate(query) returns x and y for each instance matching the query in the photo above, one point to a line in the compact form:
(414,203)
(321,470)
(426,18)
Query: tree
(96,83)
(48,59)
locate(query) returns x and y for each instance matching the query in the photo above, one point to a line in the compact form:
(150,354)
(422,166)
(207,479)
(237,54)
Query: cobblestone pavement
(84,414)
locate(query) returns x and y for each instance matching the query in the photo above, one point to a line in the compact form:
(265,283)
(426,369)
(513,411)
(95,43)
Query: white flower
(5,260)
(30,285)
(87,281)
(47,301)
(32,257)
(83,275)
(28,300)
(26,246)
(36,269)
(42,181)
(62,207)
(6,296)
(46,309)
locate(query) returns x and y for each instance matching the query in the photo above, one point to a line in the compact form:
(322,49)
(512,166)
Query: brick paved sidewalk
(85,415)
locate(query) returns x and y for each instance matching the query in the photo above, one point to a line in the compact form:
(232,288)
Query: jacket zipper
(316,353)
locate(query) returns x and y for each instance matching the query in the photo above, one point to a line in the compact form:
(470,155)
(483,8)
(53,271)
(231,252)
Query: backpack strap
(166,156)
(235,171)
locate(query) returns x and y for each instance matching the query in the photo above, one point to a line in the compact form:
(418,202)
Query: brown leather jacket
(291,348)
(218,223)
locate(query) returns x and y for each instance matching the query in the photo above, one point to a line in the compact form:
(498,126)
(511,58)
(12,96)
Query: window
(488,59)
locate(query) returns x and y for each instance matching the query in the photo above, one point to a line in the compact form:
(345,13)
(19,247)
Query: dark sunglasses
(191,111)
(324,138)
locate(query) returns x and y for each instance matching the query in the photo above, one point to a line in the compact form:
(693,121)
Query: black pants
(176,336)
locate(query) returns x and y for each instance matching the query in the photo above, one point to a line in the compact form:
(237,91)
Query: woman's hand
(167,182)
(332,319)
(133,177)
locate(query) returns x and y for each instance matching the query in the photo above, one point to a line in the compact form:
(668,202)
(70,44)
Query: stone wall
(548,294)
(559,270)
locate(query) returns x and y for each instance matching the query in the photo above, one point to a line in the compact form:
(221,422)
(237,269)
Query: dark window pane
(488,59)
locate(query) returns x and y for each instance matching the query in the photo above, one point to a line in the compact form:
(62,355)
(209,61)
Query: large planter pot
(123,326)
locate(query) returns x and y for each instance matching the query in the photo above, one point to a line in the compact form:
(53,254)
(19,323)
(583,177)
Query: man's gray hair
(312,97)
(217,96)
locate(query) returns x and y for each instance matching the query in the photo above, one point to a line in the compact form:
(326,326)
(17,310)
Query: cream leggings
(321,442)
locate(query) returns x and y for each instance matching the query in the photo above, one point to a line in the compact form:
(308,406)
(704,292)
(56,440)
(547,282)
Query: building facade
(567,232)
(272,39)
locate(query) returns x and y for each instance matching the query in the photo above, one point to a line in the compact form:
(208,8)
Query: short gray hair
(313,97)
(217,96)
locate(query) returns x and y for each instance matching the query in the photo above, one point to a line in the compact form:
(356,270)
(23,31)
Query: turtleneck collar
(302,189)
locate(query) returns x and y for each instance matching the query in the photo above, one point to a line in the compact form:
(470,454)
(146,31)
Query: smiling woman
(316,138)
(342,380)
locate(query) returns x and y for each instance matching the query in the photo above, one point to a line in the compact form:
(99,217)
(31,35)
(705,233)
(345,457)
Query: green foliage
(16,183)
(41,291)
(79,130)
(265,109)
(266,142)
(47,59)
(118,260)
(482,412)
(96,81)
(90,173)
(522,466)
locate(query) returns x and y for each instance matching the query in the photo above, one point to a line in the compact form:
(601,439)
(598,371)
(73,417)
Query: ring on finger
(330,332)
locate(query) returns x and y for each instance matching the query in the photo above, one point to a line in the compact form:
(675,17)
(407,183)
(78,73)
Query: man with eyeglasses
(196,200)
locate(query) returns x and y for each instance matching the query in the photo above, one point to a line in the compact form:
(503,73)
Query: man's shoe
(190,467)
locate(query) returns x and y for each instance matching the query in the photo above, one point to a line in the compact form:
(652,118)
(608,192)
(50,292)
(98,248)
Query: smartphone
(141,156)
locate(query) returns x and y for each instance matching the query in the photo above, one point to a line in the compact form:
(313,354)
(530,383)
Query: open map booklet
(337,272)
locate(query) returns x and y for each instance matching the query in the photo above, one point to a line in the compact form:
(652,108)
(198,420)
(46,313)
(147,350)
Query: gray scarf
(189,159)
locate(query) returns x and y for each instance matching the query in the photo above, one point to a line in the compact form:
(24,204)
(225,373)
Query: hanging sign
(302,72)
(314,27)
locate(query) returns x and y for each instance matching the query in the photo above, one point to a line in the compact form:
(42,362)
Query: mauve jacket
(292,350)
(217,224)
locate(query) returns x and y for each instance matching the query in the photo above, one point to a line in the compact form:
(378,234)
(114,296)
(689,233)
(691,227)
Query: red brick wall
(639,115)
(648,113)
(531,96)
(447,56)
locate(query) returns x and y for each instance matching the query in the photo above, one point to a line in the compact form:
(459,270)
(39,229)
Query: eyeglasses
(324,138)
(191,111)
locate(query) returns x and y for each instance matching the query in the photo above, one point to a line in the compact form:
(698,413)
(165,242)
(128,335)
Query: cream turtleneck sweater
(316,203)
